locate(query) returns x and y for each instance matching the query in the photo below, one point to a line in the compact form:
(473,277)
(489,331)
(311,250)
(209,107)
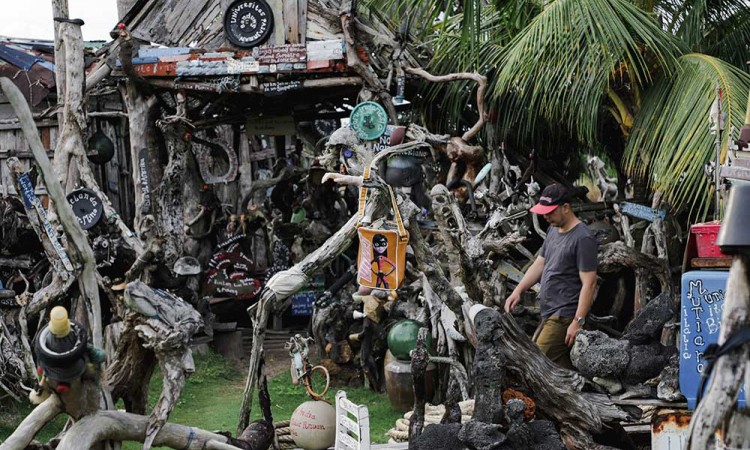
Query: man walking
(566,267)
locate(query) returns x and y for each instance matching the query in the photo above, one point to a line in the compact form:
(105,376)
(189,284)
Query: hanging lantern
(101,149)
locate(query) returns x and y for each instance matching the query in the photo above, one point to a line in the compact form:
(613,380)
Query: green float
(402,338)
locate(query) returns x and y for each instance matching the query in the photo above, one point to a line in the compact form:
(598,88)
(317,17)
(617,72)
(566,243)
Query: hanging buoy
(313,425)
(60,348)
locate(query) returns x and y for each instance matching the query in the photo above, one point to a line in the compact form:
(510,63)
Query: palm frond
(560,66)
(671,141)
(715,27)
(729,39)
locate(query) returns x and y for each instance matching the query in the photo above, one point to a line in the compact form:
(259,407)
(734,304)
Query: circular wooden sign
(248,23)
(368,120)
(86,206)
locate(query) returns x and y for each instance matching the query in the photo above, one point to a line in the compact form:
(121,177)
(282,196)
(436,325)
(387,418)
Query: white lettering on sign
(236,67)
(707,307)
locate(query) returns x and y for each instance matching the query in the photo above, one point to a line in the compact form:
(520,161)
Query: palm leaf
(671,141)
(560,66)
(715,27)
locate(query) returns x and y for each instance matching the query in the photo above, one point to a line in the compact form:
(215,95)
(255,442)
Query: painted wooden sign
(248,23)
(286,53)
(280,87)
(219,85)
(32,202)
(642,212)
(242,66)
(325,50)
(270,126)
(302,303)
(145,180)
(702,309)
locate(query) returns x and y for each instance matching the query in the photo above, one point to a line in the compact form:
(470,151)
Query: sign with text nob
(702,297)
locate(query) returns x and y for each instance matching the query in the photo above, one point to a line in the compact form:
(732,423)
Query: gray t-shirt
(565,254)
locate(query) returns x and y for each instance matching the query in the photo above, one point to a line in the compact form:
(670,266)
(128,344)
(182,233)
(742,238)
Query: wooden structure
(30,63)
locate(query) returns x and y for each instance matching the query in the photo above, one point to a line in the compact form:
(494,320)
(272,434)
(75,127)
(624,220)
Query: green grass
(212,397)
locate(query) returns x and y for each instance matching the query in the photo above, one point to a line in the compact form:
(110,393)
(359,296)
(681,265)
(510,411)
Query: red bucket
(705,239)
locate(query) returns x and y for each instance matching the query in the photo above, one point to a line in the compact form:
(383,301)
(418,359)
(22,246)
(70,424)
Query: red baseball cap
(553,196)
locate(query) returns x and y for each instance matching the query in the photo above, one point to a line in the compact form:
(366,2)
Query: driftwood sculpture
(164,325)
(419,360)
(717,409)
(457,149)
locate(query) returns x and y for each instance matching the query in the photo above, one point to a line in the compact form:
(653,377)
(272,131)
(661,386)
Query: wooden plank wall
(13,143)
(200,23)
(113,177)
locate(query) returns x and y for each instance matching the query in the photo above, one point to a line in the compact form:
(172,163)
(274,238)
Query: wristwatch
(581,320)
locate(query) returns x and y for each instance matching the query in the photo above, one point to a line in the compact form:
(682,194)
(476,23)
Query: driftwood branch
(616,255)
(557,391)
(362,68)
(122,426)
(33,423)
(166,324)
(481,81)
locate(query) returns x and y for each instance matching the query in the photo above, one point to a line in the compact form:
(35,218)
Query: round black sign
(86,206)
(248,23)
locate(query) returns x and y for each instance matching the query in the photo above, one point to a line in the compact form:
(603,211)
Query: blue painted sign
(702,307)
(642,212)
(302,303)
(27,190)
(31,201)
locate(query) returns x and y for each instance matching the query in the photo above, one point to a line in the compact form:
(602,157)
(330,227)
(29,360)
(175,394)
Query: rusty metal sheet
(157,69)
(669,429)
(35,84)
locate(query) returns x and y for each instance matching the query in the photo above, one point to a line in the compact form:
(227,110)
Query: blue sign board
(702,307)
(302,303)
(642,211)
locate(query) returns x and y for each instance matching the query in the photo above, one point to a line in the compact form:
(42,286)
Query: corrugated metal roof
(30,65)
(22,60)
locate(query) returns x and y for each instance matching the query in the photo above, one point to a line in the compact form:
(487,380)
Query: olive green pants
(551,340)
